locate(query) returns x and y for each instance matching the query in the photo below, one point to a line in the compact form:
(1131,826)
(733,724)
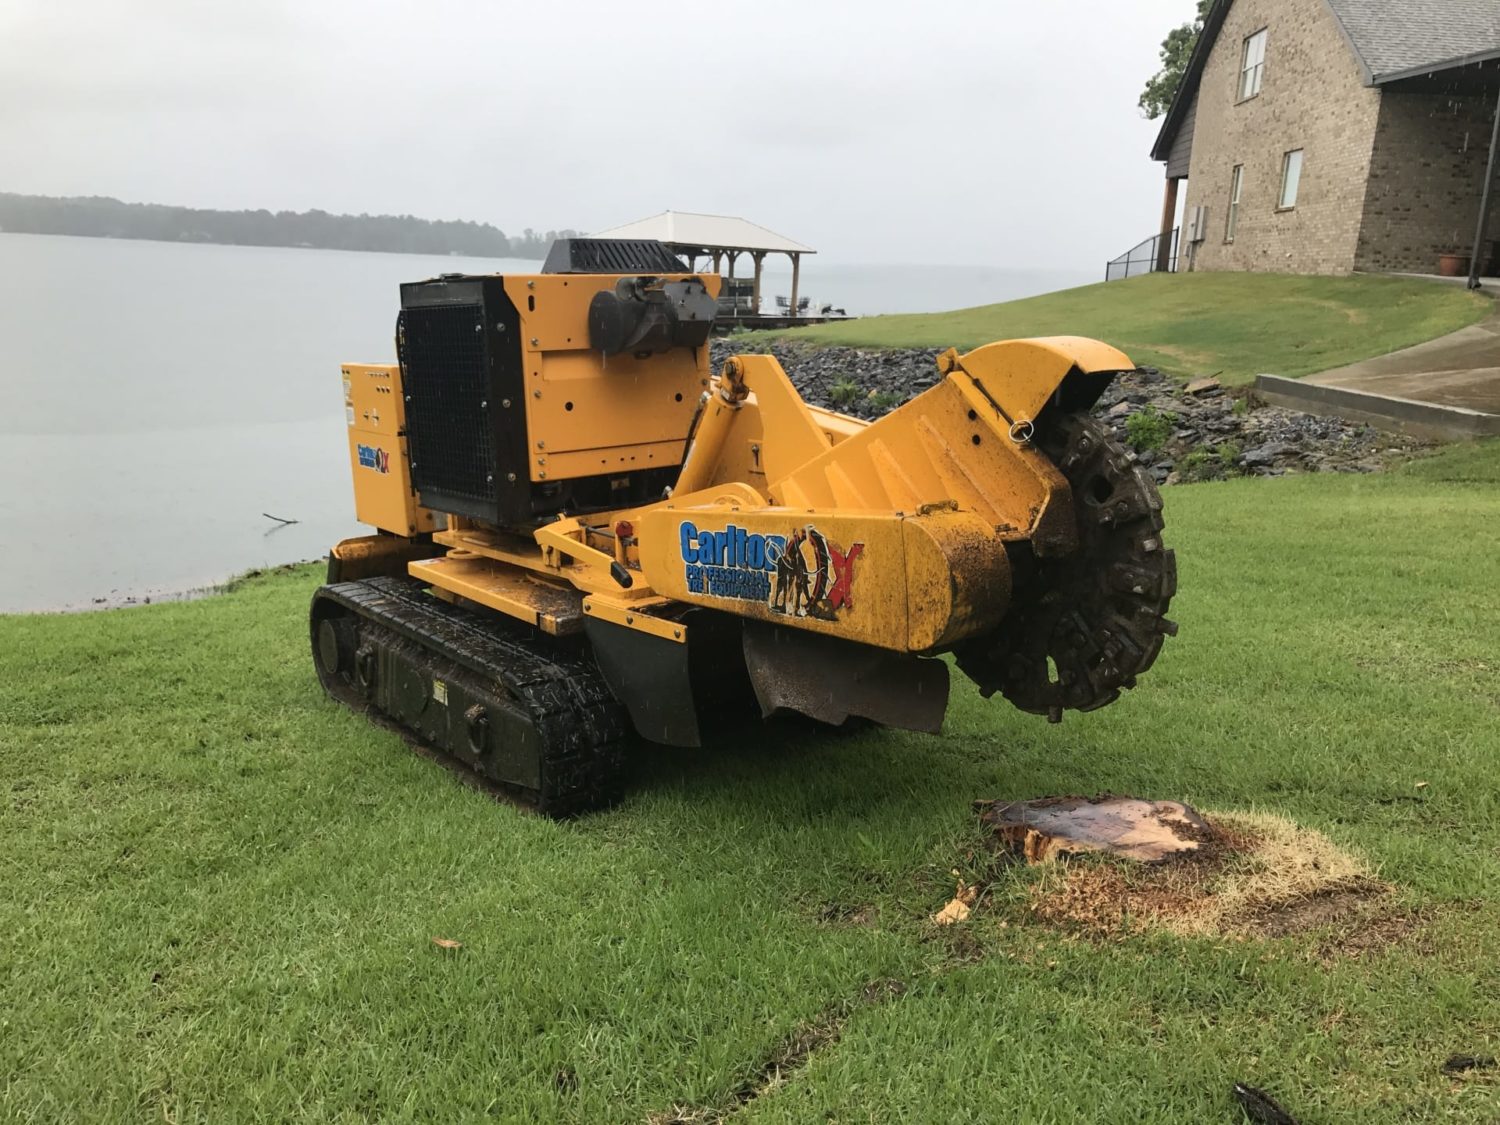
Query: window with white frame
(1253,64)
(1291,178)
(1236,179)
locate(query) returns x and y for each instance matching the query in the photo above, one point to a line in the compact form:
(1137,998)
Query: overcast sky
(1000,133)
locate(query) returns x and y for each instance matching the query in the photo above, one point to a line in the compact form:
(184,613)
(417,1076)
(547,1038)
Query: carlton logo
(373,457)
(804,574)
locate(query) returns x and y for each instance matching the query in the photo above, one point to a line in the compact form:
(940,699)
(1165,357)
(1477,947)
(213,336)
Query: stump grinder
(583,535)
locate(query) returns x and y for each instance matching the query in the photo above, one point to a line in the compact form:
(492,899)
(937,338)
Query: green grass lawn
(221,889)
(1234,325)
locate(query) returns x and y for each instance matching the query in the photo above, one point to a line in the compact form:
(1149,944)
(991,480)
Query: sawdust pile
(1254,875)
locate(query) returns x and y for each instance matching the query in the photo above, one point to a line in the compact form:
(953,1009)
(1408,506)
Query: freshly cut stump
(1128,827)
(1161,863)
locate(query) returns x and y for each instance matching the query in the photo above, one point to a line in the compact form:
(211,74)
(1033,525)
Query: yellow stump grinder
(583,534)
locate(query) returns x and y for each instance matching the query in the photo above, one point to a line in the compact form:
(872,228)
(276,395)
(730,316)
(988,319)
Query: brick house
(1327,136)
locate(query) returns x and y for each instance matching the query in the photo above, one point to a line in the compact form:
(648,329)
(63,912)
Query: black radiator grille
(445,373)
(611,255)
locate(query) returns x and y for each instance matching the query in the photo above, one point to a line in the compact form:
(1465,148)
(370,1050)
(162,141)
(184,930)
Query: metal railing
(1146,257)
(737,297)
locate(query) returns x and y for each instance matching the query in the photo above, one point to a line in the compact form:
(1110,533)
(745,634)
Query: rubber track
(581,727)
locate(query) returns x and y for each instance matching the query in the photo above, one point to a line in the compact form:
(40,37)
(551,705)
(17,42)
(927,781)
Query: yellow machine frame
(911,514)
(584,532)
(587,414)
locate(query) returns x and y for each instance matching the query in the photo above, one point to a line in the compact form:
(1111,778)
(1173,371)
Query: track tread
(581,727)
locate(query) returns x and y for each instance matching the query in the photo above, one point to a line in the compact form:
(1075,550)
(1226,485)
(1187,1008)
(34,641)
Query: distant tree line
(102,217)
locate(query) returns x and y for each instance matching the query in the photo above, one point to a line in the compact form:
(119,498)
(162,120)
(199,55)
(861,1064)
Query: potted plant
(1453,262)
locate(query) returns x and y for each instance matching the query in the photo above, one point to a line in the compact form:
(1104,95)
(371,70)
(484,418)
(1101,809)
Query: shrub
(885,400)
(1210,464)
(1200,464)
(844,392)
(1148,430)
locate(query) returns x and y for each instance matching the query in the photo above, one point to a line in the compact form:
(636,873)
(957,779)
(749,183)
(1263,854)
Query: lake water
(159,398)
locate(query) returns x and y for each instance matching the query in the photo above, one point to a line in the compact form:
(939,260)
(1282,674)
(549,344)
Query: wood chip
(956,911)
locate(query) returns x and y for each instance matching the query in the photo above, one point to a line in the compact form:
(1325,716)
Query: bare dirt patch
(1462,1064)
(1197,360)
(1352,315)
(848,914)
(1371,929)
(960,945)
(788,1057)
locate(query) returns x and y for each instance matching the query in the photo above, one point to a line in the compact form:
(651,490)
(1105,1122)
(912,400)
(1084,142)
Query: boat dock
(719,241)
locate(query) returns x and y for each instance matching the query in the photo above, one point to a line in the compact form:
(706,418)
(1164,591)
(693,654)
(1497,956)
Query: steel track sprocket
(1085,625)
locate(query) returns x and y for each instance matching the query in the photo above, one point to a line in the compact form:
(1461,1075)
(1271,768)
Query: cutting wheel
(1087,623)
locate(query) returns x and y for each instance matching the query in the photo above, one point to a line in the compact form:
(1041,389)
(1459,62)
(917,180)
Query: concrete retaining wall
(1397,415)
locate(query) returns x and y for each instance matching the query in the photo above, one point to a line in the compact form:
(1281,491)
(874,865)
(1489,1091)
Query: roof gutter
(1437,68)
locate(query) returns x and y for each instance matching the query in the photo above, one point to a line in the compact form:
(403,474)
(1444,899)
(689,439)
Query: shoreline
(1179,433)
(1205,432)
(266,246)
(127,599)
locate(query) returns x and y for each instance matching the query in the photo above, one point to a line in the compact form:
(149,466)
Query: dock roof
(706,232)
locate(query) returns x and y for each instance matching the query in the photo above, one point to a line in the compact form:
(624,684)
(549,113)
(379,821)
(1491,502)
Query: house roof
(1391,39)
(1212,23)
(706,232)
(1399,38)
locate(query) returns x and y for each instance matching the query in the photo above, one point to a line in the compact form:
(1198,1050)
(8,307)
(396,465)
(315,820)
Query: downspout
(1484,201)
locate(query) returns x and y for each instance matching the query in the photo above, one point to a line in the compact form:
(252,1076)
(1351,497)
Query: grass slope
(221,889)
(1235,325)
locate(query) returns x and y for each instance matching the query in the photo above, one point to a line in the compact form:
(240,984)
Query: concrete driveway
(1445,388)
(1460,369)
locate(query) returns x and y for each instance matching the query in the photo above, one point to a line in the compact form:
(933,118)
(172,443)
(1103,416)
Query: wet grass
(221,890)
(1233,325)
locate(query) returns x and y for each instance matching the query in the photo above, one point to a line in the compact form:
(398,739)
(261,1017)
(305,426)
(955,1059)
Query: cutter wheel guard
(583,536)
